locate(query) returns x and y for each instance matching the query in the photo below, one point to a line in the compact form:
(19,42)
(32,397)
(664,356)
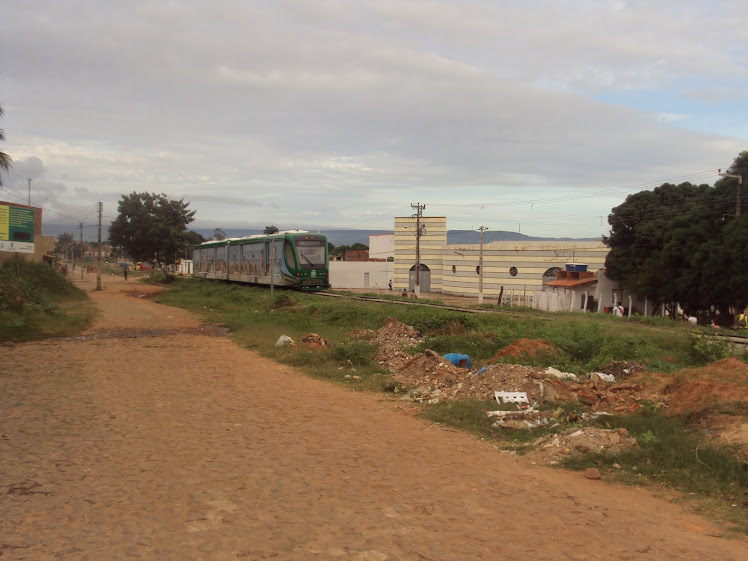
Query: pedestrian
(404,293)
(390,285)
(618,311)
(125,271)
(741,321)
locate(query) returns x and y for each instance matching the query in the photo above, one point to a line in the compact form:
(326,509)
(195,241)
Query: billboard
(16,229)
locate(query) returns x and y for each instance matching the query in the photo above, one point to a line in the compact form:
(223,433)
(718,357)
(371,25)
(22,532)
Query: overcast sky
(533,116)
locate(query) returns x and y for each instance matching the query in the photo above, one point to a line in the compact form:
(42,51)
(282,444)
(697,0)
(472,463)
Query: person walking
(390,285)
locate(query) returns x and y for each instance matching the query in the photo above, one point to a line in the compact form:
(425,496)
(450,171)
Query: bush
(705,350)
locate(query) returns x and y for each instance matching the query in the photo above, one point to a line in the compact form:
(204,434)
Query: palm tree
(4,158)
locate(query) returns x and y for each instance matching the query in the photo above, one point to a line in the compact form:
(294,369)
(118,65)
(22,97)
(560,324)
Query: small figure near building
(390,285)
(125,273)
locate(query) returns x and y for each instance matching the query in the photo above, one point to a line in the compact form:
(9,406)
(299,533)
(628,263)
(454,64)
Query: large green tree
(5,160)
(683,244)
(151,227)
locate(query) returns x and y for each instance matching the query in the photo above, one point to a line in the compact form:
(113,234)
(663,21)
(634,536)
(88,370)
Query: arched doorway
(424,280)
(550,274)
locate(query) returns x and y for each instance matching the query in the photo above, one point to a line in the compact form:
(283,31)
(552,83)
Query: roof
(571,283)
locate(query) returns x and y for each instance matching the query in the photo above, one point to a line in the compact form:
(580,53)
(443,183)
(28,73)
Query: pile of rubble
(391,339)
(552,448)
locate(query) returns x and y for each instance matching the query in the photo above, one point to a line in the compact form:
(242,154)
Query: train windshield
(311,253)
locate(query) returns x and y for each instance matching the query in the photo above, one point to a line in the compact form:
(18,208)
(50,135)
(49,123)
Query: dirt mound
(429,370)
(552,448)
(391,338)
(524,347)
(315,341)
(622,368)
(700,388)
(501,377)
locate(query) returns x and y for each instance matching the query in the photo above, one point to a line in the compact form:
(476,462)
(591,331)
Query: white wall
(353,274)
(381,246)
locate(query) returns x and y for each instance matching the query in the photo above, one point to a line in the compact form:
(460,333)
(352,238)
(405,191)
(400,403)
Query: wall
(352,274)
(432,243)
(381,246)
(527,260)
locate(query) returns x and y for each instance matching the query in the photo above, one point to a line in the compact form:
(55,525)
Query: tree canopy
(683,244)
(270,230)
(150,226)
(4,158)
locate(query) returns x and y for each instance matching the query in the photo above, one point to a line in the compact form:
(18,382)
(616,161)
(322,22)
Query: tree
(219,234)
(5,160)
(683,244)
(638,228)
(64,244)
(151,226)
(270,230)
(191,239)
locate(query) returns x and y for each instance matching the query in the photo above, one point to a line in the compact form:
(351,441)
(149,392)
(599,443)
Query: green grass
(37,302)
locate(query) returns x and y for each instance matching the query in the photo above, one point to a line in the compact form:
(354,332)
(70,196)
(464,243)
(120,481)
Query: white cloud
(333,110)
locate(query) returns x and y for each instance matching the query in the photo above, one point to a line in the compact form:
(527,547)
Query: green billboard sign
(16,229)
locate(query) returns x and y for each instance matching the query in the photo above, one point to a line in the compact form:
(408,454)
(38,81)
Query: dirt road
(149,438)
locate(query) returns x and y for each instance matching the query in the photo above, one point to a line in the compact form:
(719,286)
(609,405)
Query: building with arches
(514,271)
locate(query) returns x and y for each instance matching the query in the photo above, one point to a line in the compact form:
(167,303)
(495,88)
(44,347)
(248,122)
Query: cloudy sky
(532,116)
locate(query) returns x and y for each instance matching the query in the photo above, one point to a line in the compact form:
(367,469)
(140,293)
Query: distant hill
(335,237)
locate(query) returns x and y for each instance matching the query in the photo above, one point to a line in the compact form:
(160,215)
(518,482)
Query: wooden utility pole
(98,267)
(419,209)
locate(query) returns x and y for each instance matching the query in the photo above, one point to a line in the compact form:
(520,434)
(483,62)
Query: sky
(537,117)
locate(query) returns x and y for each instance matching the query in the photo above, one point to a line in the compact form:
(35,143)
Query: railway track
(733,338)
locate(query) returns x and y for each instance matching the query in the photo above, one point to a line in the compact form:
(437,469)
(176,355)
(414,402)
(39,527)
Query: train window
(311,253)
(290,260)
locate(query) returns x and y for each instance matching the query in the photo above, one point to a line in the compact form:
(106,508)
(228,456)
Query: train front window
(311,254)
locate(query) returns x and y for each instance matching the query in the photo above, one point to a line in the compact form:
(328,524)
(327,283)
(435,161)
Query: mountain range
(334,236)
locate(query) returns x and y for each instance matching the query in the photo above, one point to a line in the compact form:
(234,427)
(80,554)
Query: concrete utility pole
(738,201)
(98,268)
(29,180)
(419,209)
(480,267)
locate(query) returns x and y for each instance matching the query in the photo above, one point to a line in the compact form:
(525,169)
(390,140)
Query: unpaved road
(148,438)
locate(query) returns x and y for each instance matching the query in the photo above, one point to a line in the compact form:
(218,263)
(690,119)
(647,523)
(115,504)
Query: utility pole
(29,180)
(98,268)
(81,239)
(419,209)
(480,267)
(738,201)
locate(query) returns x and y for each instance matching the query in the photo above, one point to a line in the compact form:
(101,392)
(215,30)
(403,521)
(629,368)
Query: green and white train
(293,259)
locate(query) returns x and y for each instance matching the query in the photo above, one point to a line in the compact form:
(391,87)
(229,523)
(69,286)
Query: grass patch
(37,302)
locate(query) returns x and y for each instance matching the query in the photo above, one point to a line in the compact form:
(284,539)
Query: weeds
(36,301)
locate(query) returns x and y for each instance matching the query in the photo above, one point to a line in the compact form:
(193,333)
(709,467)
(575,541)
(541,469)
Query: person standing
(390,285)
(125,271)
